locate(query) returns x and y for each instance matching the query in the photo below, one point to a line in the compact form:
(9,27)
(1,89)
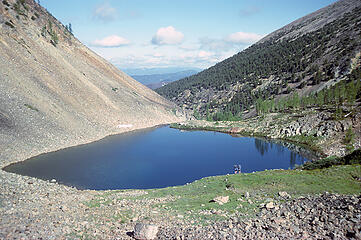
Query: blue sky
(175,33)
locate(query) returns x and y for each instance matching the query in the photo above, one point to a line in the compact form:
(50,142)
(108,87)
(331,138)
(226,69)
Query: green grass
(192,201)
(194,198)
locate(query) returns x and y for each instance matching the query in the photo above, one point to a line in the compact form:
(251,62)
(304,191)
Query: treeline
(226,115)
(302,61)
(336,96)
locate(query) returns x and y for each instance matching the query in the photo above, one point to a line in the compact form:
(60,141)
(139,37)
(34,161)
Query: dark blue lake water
(156,158)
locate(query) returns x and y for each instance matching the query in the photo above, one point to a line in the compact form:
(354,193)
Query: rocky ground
(36,209)
(327,216)
(315,129)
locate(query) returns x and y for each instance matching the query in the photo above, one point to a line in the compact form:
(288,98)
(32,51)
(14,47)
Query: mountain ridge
(313,21)
(277,65)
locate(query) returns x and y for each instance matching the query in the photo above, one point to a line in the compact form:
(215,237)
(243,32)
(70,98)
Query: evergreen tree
(320,98)
(349,140)
(196,114)
(351,92)
(70,28)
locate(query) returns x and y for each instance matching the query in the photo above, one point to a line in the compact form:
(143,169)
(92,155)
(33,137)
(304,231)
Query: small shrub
(115,89)
(319,164)
(6,3)
(43,31)
(17,7)
(9,24)
(53,35)
(31,107)
(54,38)
(352,158)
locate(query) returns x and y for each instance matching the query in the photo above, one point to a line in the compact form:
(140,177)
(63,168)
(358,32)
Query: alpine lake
(156,158)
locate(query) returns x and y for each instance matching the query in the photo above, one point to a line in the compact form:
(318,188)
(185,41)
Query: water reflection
(156,158)
(263,146)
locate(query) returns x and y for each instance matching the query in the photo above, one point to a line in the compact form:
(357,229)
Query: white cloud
(243,38)
(157,54)
(213,44)
(167,36)
(105,13)
(111,41)
(176,58)
(235,41)
(204,54)
(249,11)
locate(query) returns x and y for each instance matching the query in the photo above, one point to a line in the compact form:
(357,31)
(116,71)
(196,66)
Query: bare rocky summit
(314,21)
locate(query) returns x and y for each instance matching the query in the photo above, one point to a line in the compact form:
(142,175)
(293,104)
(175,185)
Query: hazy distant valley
(154,81)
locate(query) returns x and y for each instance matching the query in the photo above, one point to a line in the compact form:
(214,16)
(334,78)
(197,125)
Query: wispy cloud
(198,58)
(111,42)
(243,38)
(167,36)
(129,15)
(105,13)
(213,44)
(233,40)
(249,11)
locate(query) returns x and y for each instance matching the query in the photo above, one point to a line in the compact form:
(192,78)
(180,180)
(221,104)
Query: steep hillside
(55,92)
(310,54)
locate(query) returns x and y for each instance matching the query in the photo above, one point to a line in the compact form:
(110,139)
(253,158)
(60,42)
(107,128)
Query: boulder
(246,195)
(284,195)
(270,205)
(145,231)
(220,199)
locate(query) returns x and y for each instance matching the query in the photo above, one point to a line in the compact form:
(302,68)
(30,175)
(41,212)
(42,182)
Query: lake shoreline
(133,160)
(88,142)
(34,208)
(6,161)
(38,208)
(314,154)
(311,129)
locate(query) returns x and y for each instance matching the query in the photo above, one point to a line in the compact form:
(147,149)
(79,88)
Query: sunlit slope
(305,56)
(54,91)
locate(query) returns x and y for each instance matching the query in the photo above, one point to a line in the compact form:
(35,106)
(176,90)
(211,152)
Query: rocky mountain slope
(55,92)
(312,53)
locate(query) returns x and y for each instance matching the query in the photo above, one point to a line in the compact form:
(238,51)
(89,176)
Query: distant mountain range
(154,81)
(162,70)
(312,53)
